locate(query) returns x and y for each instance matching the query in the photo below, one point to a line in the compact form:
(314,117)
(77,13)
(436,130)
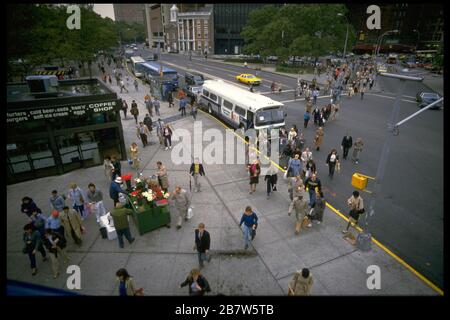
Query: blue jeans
(80,209)
(247,234)
(312,197)
(32,260)
(124,232)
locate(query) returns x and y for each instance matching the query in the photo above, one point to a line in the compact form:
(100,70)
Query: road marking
(392,98)
(381,246)
(267,92)
(303,99)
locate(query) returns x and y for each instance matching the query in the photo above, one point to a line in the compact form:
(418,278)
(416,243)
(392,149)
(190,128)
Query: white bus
(241,108)
(134,62)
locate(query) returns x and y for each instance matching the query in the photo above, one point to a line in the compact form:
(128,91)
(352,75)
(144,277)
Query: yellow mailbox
(359,181)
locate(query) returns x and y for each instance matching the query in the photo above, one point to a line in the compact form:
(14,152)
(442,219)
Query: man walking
(356,205)
(136,85)
(78,198)
(183,107)
(357,150)
(120,218)
(306,118)
(116,188)
(95,198)
(57,202)
(122,86)
(194,111)
(346,144)
(312,183)
(250,221)
(157,105)
(301,210)
(170,99)
(142,132)
(124,108)
(160,131)
(134,111)
(182,202)
(149,106)
(72,225)
(202,244)
(196,171)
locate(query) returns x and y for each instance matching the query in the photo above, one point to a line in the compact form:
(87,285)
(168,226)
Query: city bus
(134,62)
(240,108)
(151,70)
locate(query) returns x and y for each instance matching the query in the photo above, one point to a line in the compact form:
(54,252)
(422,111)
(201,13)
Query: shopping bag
(285,174)
(190,213)
(87,209)
(338,166)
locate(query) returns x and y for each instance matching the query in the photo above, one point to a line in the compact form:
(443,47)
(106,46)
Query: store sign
(59,112)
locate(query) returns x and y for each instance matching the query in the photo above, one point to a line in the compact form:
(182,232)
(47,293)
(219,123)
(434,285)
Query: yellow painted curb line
(382,247)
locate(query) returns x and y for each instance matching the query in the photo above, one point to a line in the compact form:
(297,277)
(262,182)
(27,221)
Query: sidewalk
(160,260)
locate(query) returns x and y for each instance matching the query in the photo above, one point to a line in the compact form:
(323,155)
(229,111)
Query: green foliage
(297,30)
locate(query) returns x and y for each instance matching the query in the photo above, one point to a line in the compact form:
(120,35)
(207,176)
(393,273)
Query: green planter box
(151,218)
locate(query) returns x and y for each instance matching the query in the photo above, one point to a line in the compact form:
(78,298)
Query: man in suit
(202,242)
(346,144)
(196,171)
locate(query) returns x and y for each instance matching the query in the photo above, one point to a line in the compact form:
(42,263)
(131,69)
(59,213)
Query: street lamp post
(418,37)
(364,238)
(346,35)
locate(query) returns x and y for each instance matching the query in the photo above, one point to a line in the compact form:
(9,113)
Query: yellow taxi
(248,78)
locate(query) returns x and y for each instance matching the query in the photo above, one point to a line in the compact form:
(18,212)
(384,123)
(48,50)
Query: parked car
(272,58)
(248,78)
(194,79)
(425,98)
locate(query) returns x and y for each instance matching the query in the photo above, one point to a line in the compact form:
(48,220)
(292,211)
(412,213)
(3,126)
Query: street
(408,220)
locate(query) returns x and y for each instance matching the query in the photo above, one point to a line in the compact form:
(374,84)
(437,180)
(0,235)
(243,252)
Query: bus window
(227,104)
(240,111)
(213,97)
(205,93)
(269,117)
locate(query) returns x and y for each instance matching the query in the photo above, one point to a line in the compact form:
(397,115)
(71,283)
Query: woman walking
(32,240)
(126,286)
(332,161)
(294,166)
(198,285)
(108,167)
(167,134)
(319,208)
(250,221)
(318,140)
(254,170)
(301,283)
(134,155)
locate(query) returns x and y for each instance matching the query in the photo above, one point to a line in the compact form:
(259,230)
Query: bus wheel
(209,108)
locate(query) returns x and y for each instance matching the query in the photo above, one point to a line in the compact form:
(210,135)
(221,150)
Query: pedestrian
(157,106)
(202,244)
(271,180)
(32,239)
(76,194)
(38,220)
(125,284)
(356,205)
(316,115)
(115,189)
(117,168)
(292,134)
(124,108)
(198,285)
(108,167)
(194,111)
(254,170)
(363,90)
(160,131)
(55,244)
(196,170)
(182,202)
(306,118)
(57,202)
(300,206)
(371,82)
(142,132)
(332,161)
(357,148)
(319,208)
(250,221)
(295,187)
(54,222)
(318,140)
(136,85)
(170,99)
(294,166)
(134,155)
(167,134)
(306,156)
(28,206)
(73,226)
(95,198)
(163,179)
(120,218)
(310,168)
(148,122)
(311,184)
(122,86)
(315,94)
(109,79)
(134,111)
(346,144)
(149,106)
(301,283)
(183,107)
(104,78)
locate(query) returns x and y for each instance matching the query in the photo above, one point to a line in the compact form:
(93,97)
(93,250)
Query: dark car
(194,79)
(425,98)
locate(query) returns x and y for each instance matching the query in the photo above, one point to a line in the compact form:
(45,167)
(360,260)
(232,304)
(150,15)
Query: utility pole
(364,239)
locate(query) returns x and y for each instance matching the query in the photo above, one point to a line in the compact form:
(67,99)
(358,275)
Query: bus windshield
(268,117)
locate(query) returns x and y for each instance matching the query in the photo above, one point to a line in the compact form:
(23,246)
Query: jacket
(95,196)
(61,242)
(328,161)
(311,185)
(148,122)
(162,177)
(57,203)
(347,143)
(301,208)
(72,218)
(301,286)
(182,200)
(355,204)
(203,243)
(120,217)
(201,281)
(272,178)
(129,286)
(200,170)
(359,145)
(306,116)
(29,208)
(115,189)
(134,110)
(32,241)
(250,220)
(319,137)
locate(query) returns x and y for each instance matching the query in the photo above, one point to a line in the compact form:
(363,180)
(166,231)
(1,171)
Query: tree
(296,30)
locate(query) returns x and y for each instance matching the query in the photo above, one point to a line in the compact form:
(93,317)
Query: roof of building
(240,96)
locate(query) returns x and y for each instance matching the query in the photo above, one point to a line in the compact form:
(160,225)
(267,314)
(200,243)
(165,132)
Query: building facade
(129,13)
(51,135)
(194,31)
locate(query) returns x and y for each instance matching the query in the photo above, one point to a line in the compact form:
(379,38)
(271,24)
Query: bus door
(227,110)
(250,119)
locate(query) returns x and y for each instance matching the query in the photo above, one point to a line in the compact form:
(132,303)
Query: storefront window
(68,151)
